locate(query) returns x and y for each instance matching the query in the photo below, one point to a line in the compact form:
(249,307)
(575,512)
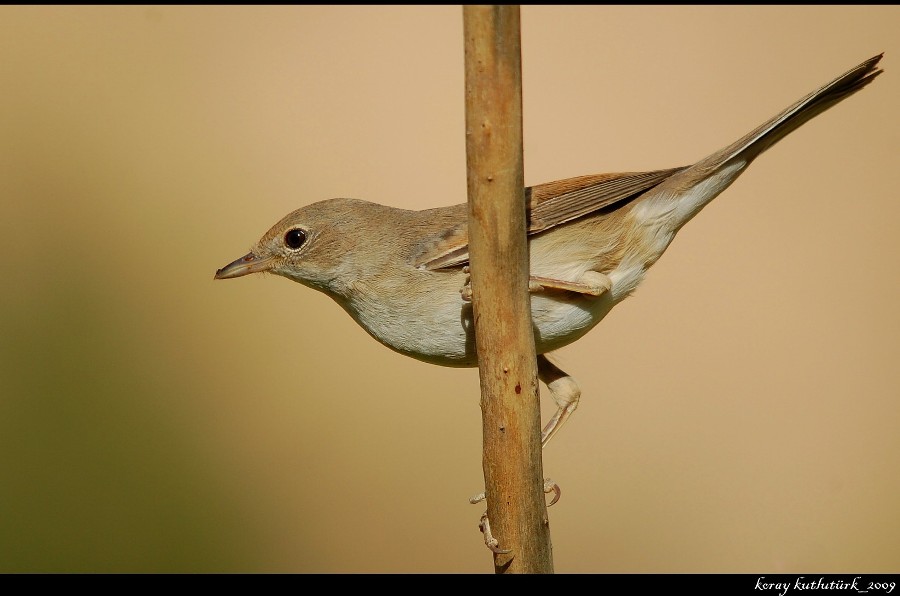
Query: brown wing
(549,205)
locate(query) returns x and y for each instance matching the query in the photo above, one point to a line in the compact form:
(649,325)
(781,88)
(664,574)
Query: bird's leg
(592,283)
(566,394)
(489,540)
(562,386)
(564,391)
(485,524)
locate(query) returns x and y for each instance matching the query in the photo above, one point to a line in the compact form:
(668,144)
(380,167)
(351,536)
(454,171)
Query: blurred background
(740,412)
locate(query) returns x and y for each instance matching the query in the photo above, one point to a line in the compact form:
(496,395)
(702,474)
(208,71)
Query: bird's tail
(751,145)
(681,196)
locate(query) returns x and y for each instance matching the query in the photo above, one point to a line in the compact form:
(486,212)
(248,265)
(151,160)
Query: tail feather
(681,196)
(769,133)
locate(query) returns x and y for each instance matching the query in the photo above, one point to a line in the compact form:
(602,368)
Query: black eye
(295,238)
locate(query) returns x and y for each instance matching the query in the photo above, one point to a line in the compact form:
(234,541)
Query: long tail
(681,196)
(766,135)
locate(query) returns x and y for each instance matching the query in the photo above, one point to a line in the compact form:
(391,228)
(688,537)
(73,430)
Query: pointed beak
(247,264)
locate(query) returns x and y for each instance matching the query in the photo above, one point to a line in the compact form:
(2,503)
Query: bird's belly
(440,328)
(565,317)
(447,338)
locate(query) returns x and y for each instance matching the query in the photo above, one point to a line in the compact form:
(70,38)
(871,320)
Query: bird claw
(489,541)
(549,487)
(485,525)
(552,487)
(466,290)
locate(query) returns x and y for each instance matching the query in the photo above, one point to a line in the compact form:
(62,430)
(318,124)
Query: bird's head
(310,245)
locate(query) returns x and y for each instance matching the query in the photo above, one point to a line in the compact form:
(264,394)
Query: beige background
(740,413)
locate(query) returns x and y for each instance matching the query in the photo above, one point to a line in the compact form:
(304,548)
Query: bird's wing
(548,205)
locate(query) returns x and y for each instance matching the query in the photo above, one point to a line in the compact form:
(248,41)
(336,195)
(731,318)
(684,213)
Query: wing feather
(548,205)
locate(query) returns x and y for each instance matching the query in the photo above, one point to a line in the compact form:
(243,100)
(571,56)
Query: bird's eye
(295,238)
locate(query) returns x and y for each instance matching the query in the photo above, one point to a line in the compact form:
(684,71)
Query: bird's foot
(489,541)
(466,291)
(485,524)
(549,487)
(552,487)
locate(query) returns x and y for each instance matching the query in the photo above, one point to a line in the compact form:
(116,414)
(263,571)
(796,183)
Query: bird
(402,275)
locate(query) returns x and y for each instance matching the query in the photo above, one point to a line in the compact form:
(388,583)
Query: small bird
(403,275)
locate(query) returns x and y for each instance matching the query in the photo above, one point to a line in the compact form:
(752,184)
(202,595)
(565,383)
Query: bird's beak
(247,264)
